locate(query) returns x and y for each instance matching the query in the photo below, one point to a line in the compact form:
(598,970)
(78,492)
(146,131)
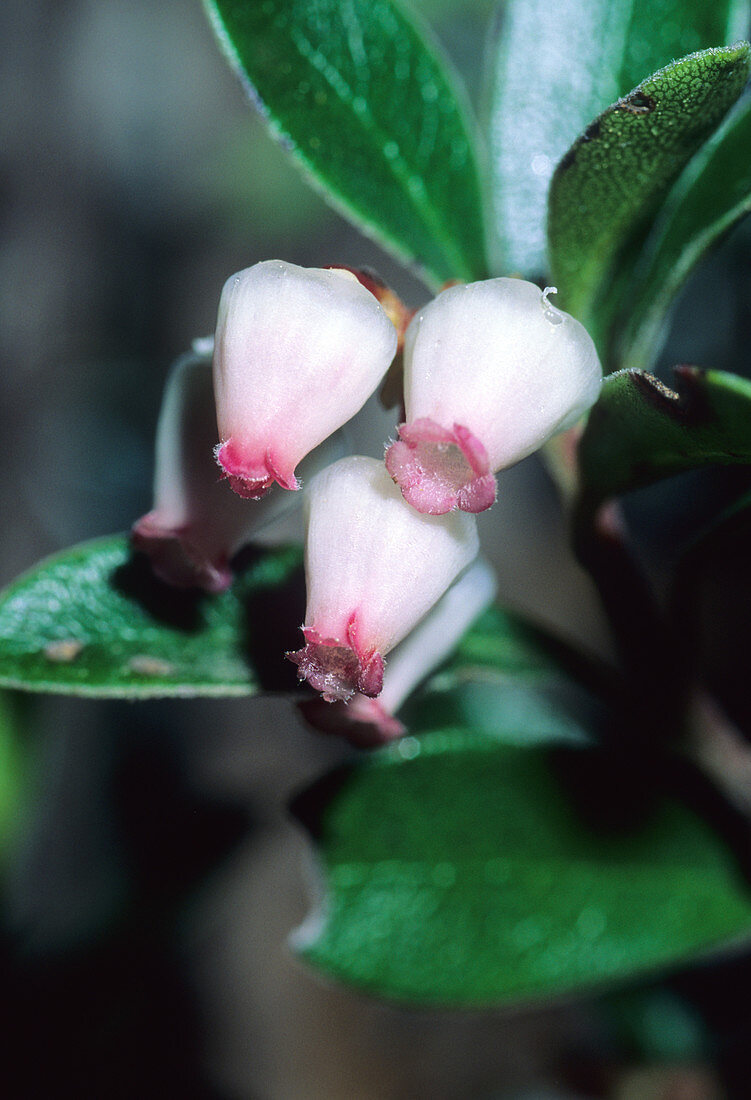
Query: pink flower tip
(439,469)
(251,477)
(364,722)
(177,558)
(338,668)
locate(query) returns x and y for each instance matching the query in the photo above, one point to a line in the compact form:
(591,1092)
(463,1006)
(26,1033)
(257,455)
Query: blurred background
(154,876)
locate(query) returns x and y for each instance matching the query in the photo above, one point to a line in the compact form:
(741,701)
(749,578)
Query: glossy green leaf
(641,431)
(505,674)
(458,871)
(619,171)
(362,98)
(554,68)
(711,196)
(93,621)
(499,641)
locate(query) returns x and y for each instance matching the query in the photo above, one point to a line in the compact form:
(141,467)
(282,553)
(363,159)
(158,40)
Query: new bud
(491,371)
(374,568)
(298,351)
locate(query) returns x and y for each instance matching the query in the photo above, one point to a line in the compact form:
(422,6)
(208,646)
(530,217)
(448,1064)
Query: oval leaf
(355,90)
(640,431)
(557,66)
(93,621)
(458,872)
(500,641)
(708,200)
(506,674)
(620,169)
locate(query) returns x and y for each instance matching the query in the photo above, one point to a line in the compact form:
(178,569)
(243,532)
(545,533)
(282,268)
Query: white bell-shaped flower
(367,722)
(491,371)
(374,568)
(298,351)
(197,524)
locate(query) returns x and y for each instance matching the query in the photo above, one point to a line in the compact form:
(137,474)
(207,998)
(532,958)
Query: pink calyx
(176,557)
(251,477)
(438,469)
(336,668)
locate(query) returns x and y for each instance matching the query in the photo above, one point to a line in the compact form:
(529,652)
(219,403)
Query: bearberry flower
(369,722)
(374,568)
(491,371)
(298,351)
(196,525)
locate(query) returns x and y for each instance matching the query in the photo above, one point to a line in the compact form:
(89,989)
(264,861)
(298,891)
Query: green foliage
(364,101)
(93,621)
(501,642)
(497,853)
(504,675)
(640,431)
(555,67)
(711,196)
(500,855)
(458,871)
(619,171)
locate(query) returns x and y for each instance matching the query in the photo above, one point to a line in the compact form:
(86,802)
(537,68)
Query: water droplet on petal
(551,314)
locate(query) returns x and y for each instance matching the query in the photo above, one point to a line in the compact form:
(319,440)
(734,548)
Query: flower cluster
(491,371)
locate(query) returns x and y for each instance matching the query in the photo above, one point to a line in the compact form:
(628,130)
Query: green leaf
(505,674)
(554,68)
(458,871)
(93,621)
(711,196)
(640,431)
(363,100)
(502,642)
(619,171)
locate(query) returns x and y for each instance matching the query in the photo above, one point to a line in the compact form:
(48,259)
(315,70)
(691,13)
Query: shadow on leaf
(179,608)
